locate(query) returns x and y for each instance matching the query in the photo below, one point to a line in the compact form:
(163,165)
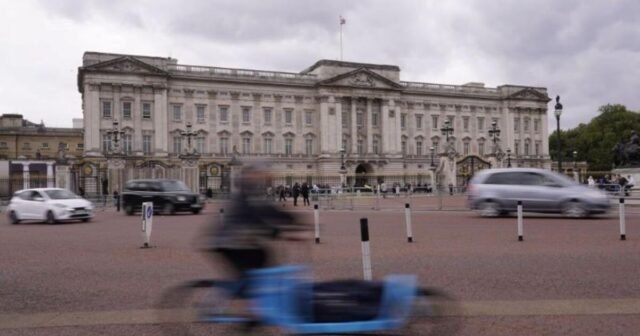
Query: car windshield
(174,186)
(59,194)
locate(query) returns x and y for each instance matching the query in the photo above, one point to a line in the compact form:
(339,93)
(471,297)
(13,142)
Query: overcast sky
(588,52)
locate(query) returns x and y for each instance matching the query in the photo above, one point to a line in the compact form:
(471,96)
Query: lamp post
(558,113)
(575,160)
(447,130)
(343,168)
(494,134)
(189,133)
(508,158)
(116,134)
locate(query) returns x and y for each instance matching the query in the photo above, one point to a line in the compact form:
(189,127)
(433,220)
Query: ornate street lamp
(116,134)
(508,158)
(189,133)
(575,160)
(558,113)
(494,134)
(447,130)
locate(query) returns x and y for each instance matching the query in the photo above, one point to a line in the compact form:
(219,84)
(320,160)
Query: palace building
(333,122)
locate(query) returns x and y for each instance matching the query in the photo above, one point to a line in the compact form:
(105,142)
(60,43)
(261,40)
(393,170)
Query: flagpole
(340,38)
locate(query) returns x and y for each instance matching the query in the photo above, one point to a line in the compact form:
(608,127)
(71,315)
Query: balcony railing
(449,88)
(240,73)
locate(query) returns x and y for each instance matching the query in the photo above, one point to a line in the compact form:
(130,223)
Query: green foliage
(594,141)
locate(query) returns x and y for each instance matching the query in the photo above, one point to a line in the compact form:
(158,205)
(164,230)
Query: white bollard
(366,252)
(147,223)
(623,228)
(407,220)
(520,228)
(316,219)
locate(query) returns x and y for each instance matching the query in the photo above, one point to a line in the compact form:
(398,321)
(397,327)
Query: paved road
(568,277)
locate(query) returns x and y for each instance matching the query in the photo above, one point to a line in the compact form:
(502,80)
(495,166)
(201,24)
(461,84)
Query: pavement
(568,277)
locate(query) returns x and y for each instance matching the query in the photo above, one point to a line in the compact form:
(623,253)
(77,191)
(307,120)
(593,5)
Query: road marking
(467,309)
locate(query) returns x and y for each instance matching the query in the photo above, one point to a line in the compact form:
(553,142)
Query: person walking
(296,193)
(591,182)
(283,194)
(305,194)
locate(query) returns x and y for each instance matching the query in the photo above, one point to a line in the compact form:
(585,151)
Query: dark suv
(168,196)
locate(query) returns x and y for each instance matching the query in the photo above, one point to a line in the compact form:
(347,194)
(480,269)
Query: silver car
(496,192)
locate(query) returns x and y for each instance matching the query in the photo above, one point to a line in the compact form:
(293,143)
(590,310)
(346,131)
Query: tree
(594,141)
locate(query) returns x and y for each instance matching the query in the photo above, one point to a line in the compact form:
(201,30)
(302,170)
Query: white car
(48,204)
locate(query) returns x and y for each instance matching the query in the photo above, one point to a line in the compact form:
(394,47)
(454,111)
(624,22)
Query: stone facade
(300,122)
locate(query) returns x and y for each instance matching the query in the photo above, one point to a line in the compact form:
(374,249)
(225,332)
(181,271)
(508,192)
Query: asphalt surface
(568,277)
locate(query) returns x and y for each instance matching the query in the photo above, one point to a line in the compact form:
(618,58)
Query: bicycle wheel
(203,307)
(434,313)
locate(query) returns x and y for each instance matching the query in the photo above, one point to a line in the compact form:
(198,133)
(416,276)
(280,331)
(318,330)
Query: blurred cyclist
(244,238)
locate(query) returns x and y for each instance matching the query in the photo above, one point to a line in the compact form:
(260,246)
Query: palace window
(308,118)
(309,147)
(360,118)
(200,114)
(536,125)
(288,117)
(106,142)
(376,146)
(419,148)
(200,141)
(345,144)
(177,112)
(224,114)
(288,146)
(246,115)
(434,121)
(224,145)
(466,148)
(480,124)
(516,148)
(146,144)
(374,119)
(146,111)
(127,142)
(3,145)
(267,113)
(246,145)
(526,148)
(418,121)
(106,109)
(404,147)
(268,146)
(451,121)
(360,147)
(516,124)
(403,120)
(481,148)
(465,124)
(537,149)
(177,144)
(45,145)
(526,124)
(345,119)
(126,110)
(80,146)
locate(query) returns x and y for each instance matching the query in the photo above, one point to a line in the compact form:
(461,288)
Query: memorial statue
(627,154)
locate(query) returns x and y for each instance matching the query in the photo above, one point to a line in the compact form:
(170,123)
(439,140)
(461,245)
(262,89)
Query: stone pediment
(529,94)
(126,64)
(361,78)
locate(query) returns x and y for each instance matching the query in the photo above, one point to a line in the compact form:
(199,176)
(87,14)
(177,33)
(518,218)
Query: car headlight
(62,206)
(181,198)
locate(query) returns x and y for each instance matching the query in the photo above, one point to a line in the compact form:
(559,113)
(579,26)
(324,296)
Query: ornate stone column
(116,174)
(354,126)
(369,125)
(191,173)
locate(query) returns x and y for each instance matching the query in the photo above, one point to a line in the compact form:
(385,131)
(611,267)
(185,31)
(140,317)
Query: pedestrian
(81,191)
(622,181)
(283,194)
(305,194)
(296,193)
(383,189)
(591,182)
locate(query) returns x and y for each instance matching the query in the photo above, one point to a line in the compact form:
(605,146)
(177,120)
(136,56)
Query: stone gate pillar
(115,174)
(63,176)
(191,174)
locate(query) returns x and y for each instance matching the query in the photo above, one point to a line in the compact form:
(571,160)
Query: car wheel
(489,209)
(128,209)
(51,218)
(84,220)
(14,217)
(169,209)
(574,209)
(195,211)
